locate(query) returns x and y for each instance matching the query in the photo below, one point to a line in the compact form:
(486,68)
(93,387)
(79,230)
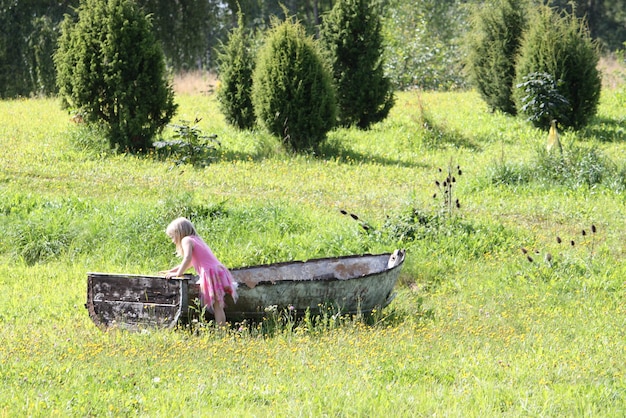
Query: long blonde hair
(178,229)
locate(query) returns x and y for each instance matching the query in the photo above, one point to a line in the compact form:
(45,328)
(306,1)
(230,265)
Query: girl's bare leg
(218,312)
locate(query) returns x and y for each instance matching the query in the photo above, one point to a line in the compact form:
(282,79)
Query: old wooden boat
(349,285)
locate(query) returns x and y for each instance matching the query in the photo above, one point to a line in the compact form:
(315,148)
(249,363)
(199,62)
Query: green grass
(475,330)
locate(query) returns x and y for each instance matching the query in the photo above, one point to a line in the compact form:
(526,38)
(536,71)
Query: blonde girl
(215,279)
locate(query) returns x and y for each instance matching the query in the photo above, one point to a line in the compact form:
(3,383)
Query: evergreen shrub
(292,91)
(235,66)
(351,34)
(560,45)
(111,69)
(493,43)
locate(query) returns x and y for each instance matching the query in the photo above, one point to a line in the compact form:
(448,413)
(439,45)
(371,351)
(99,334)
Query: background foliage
(421,39)
(422,44)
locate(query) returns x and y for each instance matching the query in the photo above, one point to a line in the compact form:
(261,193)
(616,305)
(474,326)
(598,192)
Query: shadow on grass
(327,151)
(439,137)
(432,136)
(605,130)
(336,151)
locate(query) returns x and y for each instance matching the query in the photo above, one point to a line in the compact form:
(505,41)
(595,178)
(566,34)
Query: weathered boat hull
(347,285)
(132,301)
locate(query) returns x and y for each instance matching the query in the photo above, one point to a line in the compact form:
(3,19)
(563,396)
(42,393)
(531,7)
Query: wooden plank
(135,301)
(135,289)
(136,314)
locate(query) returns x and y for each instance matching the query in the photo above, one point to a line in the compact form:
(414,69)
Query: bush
(112,70)
(42,43)
(351,33)
(236,65)
(576,167)
(493,44)
(560,45)
(542,101)
(292,89)
(189,145)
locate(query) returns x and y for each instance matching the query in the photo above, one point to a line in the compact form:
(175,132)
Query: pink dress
(215,279)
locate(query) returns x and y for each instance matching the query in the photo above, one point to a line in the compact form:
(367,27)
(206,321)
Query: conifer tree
(235,66)
(351,35)
(292,89)
(559,45)
(494,41)
(112,70)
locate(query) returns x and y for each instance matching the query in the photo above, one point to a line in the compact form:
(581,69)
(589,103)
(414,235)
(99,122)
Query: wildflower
(558,239)
(593,229)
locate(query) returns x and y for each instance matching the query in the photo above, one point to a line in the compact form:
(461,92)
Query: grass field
(475,330)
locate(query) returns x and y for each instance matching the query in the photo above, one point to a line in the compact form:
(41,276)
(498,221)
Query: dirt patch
(613,71)
(195,82)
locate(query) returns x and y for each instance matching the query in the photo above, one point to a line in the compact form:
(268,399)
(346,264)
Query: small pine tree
(493,44)
(292,89)
(542,102)
(560,45)
(236,65)
(352,36)
(112,70)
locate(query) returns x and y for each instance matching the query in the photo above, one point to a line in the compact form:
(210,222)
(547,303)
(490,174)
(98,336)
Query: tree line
(522,58)
(422,38)
(111,71)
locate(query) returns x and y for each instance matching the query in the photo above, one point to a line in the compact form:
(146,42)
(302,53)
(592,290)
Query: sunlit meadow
(505,307)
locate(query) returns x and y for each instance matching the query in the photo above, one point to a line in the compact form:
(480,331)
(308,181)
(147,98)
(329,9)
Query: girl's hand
(173,272)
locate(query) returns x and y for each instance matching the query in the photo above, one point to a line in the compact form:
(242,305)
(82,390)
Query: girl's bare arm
(187,246)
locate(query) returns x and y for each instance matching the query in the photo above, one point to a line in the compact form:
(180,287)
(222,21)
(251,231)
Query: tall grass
(475,330)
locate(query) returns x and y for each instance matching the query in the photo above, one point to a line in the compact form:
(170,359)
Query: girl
(215,279)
